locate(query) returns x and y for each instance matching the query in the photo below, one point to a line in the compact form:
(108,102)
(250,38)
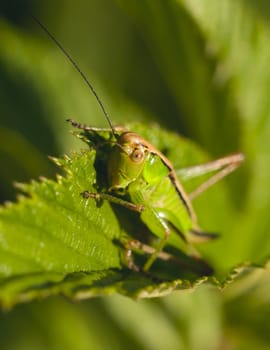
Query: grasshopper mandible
(140,178)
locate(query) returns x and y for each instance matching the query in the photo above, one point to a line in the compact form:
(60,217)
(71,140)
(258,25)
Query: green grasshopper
(139,177)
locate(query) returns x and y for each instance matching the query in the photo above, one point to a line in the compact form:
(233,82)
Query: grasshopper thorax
(127,160)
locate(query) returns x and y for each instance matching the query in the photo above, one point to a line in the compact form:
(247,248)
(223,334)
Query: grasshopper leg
(224,166)
(85,127)
(113,199)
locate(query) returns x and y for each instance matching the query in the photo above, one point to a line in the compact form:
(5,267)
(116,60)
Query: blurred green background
(200,68)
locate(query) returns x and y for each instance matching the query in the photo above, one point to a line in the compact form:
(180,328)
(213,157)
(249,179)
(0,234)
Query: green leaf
(53,241)
(55,224)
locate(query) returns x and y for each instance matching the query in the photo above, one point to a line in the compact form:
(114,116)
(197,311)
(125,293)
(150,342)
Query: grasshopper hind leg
(198,236)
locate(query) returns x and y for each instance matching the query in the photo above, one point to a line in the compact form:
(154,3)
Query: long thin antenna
(75,65)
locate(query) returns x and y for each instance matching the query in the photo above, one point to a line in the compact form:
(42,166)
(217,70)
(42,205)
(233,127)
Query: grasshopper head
(127,160)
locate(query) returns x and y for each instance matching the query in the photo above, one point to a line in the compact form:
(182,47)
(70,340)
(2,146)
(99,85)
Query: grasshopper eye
(137,155)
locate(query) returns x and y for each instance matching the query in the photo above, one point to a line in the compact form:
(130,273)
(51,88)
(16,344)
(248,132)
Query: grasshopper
(139,177)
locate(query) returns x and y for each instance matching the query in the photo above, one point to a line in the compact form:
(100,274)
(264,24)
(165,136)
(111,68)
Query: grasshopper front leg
(117,128)
(113,199)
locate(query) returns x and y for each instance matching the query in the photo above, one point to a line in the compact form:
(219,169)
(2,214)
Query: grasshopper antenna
(78,69)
